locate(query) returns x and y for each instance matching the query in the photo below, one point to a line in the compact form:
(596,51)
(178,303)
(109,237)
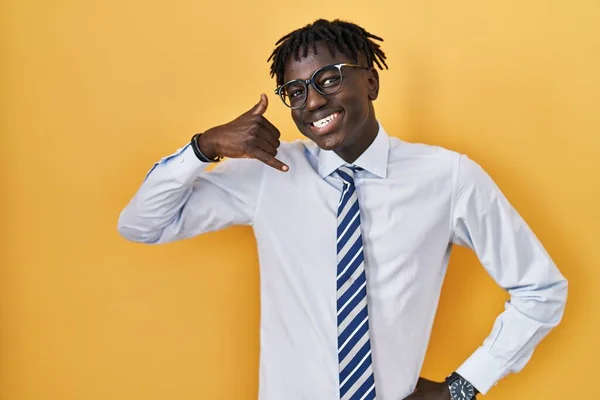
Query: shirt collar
(374,159)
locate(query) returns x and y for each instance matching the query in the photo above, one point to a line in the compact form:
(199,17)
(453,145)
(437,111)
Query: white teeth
(325,121)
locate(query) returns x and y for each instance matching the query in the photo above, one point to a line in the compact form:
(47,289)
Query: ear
(373,83)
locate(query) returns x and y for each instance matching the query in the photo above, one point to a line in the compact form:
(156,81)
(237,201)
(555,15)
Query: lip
(320,116)
(328,128)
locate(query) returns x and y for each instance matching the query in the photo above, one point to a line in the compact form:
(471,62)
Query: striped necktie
(356,380)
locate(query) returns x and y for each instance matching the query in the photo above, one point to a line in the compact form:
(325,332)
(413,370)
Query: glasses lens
(293,94)
(329,79)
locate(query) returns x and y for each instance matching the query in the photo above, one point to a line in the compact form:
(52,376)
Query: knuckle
(252,141)
(247,147)
(254,128)
(266,158)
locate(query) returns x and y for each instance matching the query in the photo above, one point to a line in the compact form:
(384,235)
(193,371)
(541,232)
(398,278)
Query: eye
(330,81)
(294,90)
(296,93)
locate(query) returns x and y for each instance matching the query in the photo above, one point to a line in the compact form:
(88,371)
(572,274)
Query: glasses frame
(311,82)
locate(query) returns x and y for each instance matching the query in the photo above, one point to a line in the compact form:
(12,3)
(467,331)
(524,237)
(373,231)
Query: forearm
(179,199)
(161,198)
(528,318)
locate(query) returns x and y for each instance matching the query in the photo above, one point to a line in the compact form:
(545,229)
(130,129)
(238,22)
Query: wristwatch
(460,388)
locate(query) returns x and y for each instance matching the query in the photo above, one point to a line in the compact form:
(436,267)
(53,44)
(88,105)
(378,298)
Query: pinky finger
(271,161)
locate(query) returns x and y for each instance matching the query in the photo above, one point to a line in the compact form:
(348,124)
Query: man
(354,230)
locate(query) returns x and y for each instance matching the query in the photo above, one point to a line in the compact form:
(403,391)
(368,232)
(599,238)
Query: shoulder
(402,150)
(436,158)
(424,159)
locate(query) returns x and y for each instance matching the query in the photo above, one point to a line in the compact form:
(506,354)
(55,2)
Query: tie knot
(346,172)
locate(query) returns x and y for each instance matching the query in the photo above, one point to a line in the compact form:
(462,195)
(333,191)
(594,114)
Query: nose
(314,99)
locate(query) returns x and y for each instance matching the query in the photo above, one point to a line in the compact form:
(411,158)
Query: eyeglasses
(326,80)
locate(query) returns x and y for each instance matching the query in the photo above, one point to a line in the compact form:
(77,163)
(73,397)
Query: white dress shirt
(416,201)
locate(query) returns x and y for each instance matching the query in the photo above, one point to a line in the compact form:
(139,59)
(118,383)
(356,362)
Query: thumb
(261,106)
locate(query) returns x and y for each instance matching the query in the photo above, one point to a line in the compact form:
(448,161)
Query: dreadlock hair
(345,37)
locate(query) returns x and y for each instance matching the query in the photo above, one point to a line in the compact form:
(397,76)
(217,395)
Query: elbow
(136,234)
(556,301)
(543,303)
(562,294)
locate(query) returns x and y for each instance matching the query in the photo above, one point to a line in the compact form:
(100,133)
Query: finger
(267,147)
(269,132)
(271,127)
(261,106)
(268,159)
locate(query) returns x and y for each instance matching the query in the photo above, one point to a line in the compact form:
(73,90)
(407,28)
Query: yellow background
(93,92)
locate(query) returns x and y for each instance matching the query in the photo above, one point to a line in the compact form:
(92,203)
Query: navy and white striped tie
(356,378)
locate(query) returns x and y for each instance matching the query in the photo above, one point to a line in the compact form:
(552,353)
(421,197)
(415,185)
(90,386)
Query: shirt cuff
(482,370)
(185,166)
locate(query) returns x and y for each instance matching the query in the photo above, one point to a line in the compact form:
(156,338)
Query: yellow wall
(93,92)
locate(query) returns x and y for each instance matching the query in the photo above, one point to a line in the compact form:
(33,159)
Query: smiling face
(345,121)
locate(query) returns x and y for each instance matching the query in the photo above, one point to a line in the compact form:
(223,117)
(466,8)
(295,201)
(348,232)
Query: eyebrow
(313,72)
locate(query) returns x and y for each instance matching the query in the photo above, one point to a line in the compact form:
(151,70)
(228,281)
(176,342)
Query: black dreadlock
(346,37)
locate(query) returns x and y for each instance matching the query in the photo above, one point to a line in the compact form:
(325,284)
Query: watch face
(461,390)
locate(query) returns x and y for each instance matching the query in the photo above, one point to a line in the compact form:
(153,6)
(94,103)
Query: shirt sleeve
(485,222)
(179,198)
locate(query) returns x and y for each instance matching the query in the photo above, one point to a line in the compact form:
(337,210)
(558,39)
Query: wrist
(460,388)
(206,145)
(211,157)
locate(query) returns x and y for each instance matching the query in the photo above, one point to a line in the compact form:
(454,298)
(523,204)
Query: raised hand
(250,135)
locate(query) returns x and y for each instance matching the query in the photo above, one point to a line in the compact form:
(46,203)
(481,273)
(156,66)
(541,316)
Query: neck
(364,138)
